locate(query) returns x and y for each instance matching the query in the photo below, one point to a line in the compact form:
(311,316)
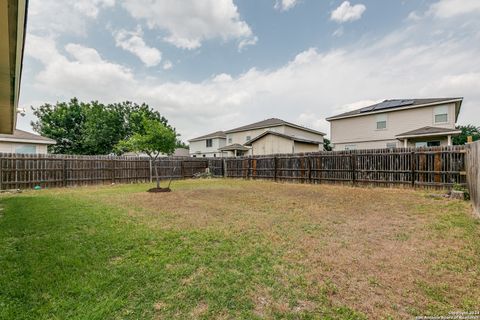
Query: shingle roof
(425,131)
(272,122)
(286,136)
(235,146)
(23,136)
(393,104)
(217,134)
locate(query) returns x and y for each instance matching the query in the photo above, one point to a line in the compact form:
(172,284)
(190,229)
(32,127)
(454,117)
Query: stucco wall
(271,144)
(10,147)
(363,129)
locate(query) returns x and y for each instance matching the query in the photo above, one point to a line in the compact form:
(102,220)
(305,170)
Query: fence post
(150,165)
(412,164)
(309,169)
(1,174)
(114,170)
(274,168)
(354,165)
(64,164)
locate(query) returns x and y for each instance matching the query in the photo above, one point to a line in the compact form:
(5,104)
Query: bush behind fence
(437,167)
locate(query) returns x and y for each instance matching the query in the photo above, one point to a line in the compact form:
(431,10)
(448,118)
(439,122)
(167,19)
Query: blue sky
(211,65)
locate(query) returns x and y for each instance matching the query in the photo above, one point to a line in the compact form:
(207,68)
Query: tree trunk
(156,173)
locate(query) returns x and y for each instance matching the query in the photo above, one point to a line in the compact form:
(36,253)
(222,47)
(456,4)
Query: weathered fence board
(473,174)
(436,167)
(23,171)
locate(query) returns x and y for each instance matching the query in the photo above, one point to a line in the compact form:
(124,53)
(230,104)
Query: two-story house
(397,123)
(270,136)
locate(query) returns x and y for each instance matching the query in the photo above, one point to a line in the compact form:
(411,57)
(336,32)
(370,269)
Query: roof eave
(456,100)
(429,134)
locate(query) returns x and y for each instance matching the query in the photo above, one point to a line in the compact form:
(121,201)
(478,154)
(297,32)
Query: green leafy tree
(468,130)
(155,139)
(327,144)
(92,128)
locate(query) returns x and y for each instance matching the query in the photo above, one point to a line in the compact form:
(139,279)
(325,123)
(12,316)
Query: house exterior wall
(11,147)
(200,149)
(362,131)
(301,147)
(271,144)
(303,134)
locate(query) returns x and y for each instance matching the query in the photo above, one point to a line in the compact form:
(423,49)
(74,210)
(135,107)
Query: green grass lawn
(235,249)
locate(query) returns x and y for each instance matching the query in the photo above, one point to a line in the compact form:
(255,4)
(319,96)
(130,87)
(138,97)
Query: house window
(391,145)
(209,143)
(248,138)
(420,144)
(433,143)
(381,121)
(26,148)
(441,114)
(229,140)
(350,147)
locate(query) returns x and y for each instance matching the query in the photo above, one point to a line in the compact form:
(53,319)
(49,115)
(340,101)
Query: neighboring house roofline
(232,147)
(217,134)
(286,136)
(428,132)
(21,136)
(357,113)
(272,122)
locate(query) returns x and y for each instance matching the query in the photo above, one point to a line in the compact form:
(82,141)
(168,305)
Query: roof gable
(272,122)
(217,134)
(282,135)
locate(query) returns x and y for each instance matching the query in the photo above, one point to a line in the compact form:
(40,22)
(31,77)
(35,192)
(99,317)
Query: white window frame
(26,146)
(389,145)
(380,119)
(349,147)
(207,143)
(248,138)
(440,111)
(229,140)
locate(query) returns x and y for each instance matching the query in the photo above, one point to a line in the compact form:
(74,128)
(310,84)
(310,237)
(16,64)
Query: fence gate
(190,168)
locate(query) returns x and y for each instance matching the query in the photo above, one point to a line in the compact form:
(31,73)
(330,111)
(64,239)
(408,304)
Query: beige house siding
(11,147)
(301,147)
(302,134)
(199,148)
(362,131)
(271,144)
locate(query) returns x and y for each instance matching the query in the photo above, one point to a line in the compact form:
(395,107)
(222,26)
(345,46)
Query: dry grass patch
(384,251)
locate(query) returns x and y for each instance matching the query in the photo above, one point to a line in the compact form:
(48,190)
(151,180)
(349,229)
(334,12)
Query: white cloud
(87,73)
(408,63)
(91,8)
(247,42)
(69,16)
(453,8)
(167,65)
(338,32)
(190,22)
(346,12)
(285,5)
(133,42)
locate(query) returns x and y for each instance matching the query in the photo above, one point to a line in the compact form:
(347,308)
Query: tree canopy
(468,130)
(93,128)
(155,139)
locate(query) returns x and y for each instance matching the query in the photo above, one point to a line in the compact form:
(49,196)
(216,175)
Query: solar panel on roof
(393,104)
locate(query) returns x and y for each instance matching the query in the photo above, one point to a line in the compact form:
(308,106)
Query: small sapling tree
(154,140)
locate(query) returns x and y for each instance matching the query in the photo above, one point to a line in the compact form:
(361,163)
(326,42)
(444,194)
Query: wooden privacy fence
(437,167)
(427,167)
(473,174)
(23,171)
